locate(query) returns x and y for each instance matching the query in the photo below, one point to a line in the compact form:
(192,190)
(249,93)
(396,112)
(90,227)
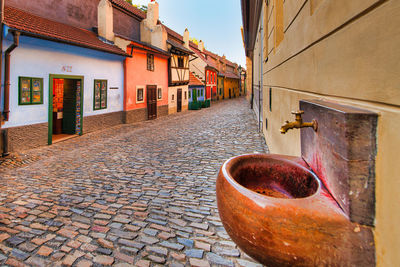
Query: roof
(36,26)
(202,57)
(179,46)
(149,48)
(193,80)
(130,8)
(173,33)
(231,75)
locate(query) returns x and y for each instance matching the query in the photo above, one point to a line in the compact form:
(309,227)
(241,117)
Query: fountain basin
(278,212)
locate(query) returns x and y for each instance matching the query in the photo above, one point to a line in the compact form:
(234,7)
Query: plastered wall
(39,58)
(138,75)
(346,52)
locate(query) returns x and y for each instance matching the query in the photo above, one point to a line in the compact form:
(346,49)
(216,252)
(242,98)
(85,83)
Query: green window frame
(30,91)
(100,94)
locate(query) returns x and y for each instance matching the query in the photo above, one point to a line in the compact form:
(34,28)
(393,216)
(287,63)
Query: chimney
(151,32)
(186,38)
(201,46)
(105,20)
(152,14)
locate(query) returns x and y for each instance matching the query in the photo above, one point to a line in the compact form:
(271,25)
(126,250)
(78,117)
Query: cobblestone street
(140,194)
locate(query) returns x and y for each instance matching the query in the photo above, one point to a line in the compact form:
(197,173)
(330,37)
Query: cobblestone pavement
(141,194)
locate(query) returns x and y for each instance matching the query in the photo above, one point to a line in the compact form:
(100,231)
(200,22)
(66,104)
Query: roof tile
(52,30)
(193,80)
(130,8)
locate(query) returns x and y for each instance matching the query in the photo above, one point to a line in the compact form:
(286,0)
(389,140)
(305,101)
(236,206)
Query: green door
(69,111)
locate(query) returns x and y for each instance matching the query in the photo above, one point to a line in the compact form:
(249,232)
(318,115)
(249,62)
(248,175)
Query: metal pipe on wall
(6,110)
(4,133)
(7,56)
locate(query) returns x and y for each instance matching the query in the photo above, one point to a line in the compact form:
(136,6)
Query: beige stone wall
(347,52)
(172,95)
(248,78)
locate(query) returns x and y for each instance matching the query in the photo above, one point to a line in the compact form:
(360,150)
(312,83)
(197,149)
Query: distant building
(196,92)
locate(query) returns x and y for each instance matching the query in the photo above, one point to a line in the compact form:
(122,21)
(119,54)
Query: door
(230,93)
(69,107)
(151,102)
(179,100)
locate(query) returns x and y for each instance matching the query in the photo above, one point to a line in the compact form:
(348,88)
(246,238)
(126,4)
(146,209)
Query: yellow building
(231,85)
(345,52)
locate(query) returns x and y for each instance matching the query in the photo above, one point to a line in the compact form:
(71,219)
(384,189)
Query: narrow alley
(139,194)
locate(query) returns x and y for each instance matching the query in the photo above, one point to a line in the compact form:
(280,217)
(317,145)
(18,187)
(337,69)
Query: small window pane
(139,96)
(159,93)
(36,91)
(104,94)
(97,95)
(25,91)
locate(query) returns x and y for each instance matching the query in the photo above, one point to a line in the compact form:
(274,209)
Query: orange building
(146,83)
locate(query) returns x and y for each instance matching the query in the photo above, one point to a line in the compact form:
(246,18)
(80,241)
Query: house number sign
(66,68)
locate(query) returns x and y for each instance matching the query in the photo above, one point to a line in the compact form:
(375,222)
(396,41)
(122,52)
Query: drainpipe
(252,82)
(7,55)
(6,110)
(1,61)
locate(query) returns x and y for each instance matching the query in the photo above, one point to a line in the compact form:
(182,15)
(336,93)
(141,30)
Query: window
(140,94)
(30,91)
(180,62)
(150,62)
(100,94)
(159,93)
(185,95)
(190,94)
(172,97)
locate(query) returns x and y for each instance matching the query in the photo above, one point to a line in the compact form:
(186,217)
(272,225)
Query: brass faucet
(298,123)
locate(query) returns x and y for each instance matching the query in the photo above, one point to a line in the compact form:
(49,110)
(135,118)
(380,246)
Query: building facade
(57,86)
(335,52)
(196,91)
(146,83)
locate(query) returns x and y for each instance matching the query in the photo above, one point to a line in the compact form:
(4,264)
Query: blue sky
(216,22)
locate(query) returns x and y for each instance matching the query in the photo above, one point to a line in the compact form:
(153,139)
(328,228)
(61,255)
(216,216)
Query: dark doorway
(69,112)
(230,93)
(179,100)
(64,108)
(151,102)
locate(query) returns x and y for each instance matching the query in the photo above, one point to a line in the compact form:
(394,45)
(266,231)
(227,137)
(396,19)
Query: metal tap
(298,123)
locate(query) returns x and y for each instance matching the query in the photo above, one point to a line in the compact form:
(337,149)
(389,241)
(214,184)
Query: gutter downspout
(252,81)
(261,88)
(6,110)
(7,55)
(1,65)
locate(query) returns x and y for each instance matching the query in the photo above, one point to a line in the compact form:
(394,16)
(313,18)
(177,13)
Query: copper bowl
(274,208)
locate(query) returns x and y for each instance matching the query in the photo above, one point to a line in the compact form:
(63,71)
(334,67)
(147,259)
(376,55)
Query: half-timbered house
(178,72)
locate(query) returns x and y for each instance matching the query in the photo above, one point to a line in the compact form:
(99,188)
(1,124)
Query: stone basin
(278,212)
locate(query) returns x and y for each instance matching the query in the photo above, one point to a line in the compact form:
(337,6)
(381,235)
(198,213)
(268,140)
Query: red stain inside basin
(277,179)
